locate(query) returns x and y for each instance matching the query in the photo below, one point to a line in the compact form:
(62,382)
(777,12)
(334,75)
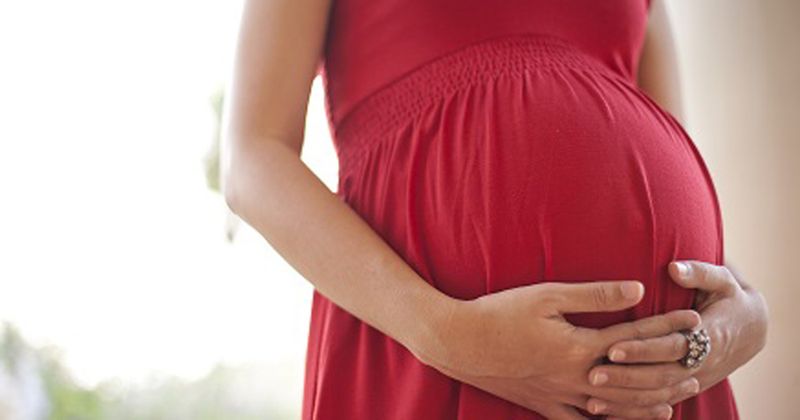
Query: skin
(734,314)
(504,343)
(658,74)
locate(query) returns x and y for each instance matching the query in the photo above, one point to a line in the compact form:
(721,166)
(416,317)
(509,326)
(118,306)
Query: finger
(656,376)
(693,274)
(598,296)
(626,418)
(561,411)
(659,411)
(645,397)
(667,348)
(650,327)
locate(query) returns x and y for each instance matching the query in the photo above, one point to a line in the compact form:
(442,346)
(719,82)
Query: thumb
(708,277)
(597,296)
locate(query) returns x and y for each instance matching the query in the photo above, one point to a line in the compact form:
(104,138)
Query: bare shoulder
(278,50)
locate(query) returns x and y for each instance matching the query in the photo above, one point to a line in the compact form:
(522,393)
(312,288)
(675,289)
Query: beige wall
(740,64)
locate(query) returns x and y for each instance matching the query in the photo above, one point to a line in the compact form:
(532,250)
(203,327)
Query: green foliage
(211,160)
(12,347)
(225,393)
(68,401)
(65,399)
(220,395)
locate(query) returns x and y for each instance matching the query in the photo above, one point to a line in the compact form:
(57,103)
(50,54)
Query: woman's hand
(733,313)
(517,345)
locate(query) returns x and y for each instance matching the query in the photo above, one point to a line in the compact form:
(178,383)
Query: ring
(699,347)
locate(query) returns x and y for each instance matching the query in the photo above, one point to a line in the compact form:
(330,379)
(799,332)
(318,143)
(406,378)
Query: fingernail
(697,319)
(683,269)
(617,355)
(630,290)
(694,388)
(597,407)
(665,413)
(599,378)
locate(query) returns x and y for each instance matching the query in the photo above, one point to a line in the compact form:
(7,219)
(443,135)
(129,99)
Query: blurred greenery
(225,393)
(211,161)
(66,399)
(36,385)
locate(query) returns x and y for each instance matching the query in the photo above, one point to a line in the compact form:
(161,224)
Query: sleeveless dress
(496,144)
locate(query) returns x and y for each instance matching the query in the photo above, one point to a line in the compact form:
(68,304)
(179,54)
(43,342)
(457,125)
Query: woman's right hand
(516,344)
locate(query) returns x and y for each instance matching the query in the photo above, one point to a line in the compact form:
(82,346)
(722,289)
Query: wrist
(760,320)
(431,342)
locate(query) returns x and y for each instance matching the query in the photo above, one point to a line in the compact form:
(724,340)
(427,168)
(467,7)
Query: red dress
(495,144)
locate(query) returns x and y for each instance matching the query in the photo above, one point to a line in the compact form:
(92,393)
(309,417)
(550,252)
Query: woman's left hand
(733,313)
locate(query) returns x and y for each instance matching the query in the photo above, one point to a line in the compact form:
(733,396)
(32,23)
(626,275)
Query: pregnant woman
(513,200)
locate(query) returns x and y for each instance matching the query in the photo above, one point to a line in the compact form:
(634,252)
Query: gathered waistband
(402,100)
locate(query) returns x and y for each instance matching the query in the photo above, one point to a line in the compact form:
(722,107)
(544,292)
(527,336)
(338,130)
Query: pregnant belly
(549,170)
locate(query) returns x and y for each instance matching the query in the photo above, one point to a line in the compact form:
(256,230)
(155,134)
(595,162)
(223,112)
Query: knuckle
(706,273)
(676,391)
(714,271)
(669,378)
(637,350)
(730,278)
(668,319)
(663,395)
(678,348)
(648,327)
(548,299)
(643,398)
(623,378)
(639,329)
(666,379)
(601,296)
(723,272)
(675,320)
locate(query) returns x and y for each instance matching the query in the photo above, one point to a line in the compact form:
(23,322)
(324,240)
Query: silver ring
(699,347)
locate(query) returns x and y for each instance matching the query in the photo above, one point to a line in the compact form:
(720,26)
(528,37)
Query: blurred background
(128,291)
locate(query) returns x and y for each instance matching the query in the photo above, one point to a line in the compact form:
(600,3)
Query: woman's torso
(495,145)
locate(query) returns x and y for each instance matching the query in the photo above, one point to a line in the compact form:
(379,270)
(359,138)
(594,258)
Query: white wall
(740,65)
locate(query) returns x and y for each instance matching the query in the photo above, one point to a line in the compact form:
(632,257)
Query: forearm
(329,244)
